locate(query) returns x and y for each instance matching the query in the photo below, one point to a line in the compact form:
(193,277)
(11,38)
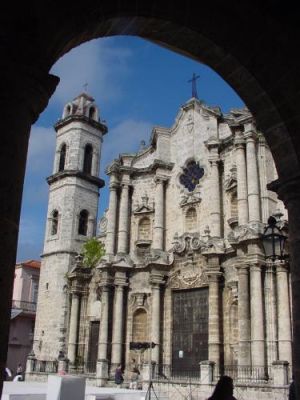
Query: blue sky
(136,85)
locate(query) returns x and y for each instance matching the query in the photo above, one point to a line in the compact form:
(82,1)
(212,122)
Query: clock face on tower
(191,176)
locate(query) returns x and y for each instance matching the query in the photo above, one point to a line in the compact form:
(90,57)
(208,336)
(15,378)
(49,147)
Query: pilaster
(120,282)
(215,202)
(244,355)
(214,316)
(123,234)
(156,280)
(257,317)
(252,177)
(159,216)
(112,218)
(242,192)
(283,313)
(270,297)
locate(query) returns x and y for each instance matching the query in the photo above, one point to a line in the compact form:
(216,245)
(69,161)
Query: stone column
(252,178)
(214,317)
(156,280)
(242,195)
(215,204)
(265,213)
(102,361)
(118,319)
(159,216)
(283,313)
(257,320)
(215,201)
(25,94)
(73,328)
(270,313)
(112,219)
(244,356)
(123,220)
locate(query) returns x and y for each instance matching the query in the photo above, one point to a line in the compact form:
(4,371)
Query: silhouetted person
(223,389)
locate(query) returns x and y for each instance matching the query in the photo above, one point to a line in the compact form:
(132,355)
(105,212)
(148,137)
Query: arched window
(234,206)
(88,158)
(191,220)
(92,113)
(144,229)
(83,222)
(54,222)
(139,326)
(62,158)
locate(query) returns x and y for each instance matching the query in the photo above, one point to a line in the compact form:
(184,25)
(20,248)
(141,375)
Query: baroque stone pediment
(144,207)
(188,200)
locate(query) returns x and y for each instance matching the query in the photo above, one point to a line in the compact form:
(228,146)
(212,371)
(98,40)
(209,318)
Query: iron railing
(244,373)
(49,367)
(24,305)
(164,372)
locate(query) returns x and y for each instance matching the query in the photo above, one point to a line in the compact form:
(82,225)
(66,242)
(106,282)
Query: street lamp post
(273,241)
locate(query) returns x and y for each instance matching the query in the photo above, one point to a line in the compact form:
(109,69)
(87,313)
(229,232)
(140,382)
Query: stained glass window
(191,176)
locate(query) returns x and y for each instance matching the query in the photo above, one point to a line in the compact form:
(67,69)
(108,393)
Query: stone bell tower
(71,218)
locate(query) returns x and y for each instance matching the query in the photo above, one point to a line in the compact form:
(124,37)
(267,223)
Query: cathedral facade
(184,269)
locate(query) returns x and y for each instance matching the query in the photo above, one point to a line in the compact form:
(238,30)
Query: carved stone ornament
(189,126)
(139,300)
(189,243)
(103,225)
(188,277)
(190,199)
(144,207)
(186,243)
(245,232)
(230,183)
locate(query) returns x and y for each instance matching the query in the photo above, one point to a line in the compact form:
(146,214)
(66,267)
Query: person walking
(119,375)
(134,374)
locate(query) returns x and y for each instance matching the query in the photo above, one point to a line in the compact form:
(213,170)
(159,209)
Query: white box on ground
(65,387)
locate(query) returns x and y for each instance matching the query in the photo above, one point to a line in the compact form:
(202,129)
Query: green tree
(92,252)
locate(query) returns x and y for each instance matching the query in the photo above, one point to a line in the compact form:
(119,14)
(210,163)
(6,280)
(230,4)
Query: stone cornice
(212,143)
(51,253)
(77,174)
(81,118)
(133,171)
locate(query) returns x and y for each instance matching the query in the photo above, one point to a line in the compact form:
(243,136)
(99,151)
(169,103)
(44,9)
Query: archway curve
(209,41)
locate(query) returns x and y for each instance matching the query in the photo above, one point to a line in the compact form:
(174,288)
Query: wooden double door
(190,330)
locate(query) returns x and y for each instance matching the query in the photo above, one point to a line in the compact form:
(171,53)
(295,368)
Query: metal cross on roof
(194,86)
(85,87)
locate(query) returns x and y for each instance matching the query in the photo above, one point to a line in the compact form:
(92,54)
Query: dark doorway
(93,347)
(190,330)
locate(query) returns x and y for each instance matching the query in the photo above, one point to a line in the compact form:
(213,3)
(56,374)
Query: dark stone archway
(252,45)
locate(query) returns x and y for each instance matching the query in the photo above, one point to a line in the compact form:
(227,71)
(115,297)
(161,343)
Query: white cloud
(99,63)
(124,138)
(41,150)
